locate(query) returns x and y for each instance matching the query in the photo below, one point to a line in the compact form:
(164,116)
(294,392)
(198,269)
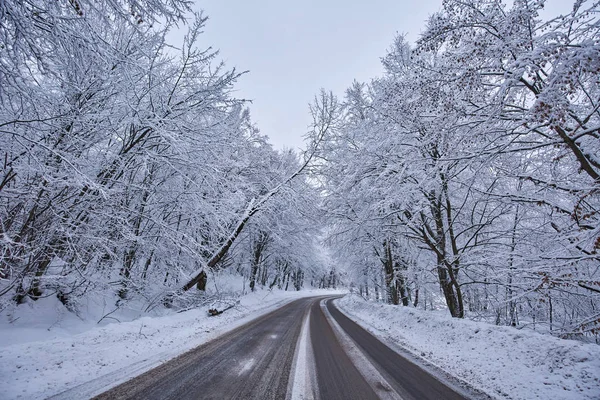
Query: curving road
(307,349)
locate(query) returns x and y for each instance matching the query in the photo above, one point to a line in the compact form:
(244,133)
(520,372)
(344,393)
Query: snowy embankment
(501,361)
(41,356)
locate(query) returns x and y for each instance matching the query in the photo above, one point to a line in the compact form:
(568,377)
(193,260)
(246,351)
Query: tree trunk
(401,287)
(436,240)
(390,281)
(201,285)
(259,245)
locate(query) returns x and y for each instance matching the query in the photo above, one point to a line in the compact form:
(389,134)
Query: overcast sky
(292,49)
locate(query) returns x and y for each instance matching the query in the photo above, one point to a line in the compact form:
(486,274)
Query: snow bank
(501,361)
(72,354)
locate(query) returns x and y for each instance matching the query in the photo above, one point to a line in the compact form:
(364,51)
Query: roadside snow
(72,354)
(504,362)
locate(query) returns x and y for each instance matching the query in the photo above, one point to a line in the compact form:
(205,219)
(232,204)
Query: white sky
(292,49)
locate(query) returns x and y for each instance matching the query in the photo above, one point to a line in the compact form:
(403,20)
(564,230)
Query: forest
(466,176)
(128,167)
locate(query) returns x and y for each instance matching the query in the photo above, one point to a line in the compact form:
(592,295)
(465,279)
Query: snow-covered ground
(45,350)
(501,361)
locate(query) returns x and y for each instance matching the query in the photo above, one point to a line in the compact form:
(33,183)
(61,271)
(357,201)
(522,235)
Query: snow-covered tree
(474,159)
(126,165)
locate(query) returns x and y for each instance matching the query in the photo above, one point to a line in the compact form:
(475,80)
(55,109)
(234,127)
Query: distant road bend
(307,349)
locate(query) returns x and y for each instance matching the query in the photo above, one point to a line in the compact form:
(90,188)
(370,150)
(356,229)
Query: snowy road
(307,349)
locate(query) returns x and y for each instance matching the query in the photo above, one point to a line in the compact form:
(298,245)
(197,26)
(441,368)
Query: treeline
(469,173)
(127,163)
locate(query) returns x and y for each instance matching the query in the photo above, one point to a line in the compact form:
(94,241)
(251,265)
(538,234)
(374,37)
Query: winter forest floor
(46,350)
(504,362)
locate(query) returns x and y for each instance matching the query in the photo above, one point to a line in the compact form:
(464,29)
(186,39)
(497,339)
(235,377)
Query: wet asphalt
(408,379)
(255,361)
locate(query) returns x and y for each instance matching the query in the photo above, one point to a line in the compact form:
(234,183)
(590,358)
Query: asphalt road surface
(307,349)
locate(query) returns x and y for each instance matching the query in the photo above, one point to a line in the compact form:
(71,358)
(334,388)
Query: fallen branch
(213,311)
